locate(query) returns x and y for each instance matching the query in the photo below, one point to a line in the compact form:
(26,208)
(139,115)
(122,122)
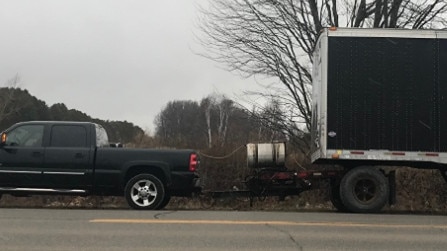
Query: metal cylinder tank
(266,155)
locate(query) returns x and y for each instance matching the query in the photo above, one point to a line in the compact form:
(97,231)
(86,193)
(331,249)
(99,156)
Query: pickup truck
(49,157)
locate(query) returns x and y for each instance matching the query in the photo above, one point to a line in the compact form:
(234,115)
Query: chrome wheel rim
(144,193)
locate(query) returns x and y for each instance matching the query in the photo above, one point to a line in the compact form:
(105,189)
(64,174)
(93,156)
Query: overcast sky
(112,59)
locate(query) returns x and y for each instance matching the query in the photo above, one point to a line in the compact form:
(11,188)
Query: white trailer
(379,103)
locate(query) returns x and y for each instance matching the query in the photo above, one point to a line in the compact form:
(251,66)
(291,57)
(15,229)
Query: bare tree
(276,38)
(179,125)
(206,104)
(225,108)
(217,110)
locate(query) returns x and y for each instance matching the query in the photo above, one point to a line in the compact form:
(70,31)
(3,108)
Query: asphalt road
(51,229)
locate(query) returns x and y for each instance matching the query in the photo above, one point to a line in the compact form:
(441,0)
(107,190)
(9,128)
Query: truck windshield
(101,136)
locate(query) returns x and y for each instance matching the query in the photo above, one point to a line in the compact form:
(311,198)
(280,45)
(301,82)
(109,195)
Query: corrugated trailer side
(442,52)
(382,93)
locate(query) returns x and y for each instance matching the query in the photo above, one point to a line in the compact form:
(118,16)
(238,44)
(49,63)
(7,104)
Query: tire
(206,201)
(335,196)
(144,191)
(165,201)
(364,190)
(444,174)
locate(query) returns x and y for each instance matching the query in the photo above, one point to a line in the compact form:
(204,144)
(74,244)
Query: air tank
(266,155)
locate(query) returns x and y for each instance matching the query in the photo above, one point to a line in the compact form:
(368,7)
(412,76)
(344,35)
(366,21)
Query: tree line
(213,122)
(17,105)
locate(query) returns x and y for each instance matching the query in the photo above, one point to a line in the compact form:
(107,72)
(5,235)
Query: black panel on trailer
(442,53)
(386,93)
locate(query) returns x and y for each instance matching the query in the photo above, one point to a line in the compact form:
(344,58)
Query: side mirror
(3,139)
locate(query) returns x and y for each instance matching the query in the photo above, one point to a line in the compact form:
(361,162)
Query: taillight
(193,162)
(303,175)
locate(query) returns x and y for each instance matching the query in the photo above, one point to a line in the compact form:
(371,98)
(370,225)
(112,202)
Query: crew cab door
(21,157)
(68,161)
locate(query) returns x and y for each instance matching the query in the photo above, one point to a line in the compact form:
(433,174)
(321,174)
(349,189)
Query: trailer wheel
(144,191)
(444,174)
(364,190)
(335,196)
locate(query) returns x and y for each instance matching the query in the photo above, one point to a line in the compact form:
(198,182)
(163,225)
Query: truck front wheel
(364,190)
(144,191)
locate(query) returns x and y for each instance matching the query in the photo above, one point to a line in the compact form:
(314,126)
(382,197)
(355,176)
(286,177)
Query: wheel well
(154,170)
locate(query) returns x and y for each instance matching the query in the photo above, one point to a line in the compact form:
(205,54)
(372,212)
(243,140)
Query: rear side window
(68,136)
(101,136)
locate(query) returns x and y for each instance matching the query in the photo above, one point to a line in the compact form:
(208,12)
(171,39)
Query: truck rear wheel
(144,191)
(364,190)
(165,201)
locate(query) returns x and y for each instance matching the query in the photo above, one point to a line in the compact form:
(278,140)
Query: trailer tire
(335,196)
(144,191)
(364,190)
(443,173)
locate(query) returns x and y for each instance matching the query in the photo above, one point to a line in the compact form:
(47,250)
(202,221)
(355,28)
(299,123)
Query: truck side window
(26,135)
(68,136)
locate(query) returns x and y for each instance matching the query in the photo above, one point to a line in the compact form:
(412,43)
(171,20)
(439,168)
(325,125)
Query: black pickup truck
(76,158)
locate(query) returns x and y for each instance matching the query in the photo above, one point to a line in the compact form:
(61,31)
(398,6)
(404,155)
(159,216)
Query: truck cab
(37,155)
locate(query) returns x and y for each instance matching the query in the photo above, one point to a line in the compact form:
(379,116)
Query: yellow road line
(283,223)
